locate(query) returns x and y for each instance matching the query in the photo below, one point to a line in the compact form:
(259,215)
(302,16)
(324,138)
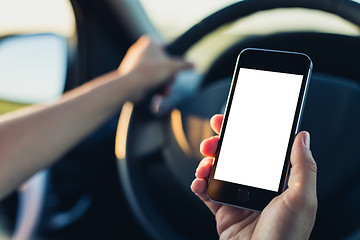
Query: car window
(34,37)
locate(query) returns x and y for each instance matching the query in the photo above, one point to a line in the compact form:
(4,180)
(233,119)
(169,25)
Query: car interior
(131,178)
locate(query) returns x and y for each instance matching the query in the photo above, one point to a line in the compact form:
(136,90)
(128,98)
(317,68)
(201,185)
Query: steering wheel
(158,155)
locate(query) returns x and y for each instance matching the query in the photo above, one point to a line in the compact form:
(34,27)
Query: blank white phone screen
(258,128)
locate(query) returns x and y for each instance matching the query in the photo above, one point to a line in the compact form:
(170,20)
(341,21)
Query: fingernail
(306,140)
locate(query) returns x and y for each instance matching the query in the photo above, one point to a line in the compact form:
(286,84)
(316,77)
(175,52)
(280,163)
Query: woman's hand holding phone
(290,215)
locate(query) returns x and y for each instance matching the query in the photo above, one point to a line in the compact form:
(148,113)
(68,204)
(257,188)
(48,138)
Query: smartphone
(262,116)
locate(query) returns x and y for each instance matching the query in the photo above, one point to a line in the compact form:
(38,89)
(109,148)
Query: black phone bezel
(269,60)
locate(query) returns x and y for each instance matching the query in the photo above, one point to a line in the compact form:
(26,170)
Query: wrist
(135,84)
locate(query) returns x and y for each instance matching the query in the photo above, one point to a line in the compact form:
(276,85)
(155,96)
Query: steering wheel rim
(154,224)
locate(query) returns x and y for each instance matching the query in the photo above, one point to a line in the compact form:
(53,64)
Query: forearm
(34,138)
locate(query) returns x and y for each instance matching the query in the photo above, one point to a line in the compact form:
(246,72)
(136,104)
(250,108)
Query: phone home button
(242,195)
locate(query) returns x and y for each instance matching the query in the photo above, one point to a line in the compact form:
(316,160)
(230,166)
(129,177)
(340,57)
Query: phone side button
(243,195)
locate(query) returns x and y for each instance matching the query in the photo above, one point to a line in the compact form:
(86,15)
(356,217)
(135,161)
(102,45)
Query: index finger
(216,122)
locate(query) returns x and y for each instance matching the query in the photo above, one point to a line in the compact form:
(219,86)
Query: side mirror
(33,68)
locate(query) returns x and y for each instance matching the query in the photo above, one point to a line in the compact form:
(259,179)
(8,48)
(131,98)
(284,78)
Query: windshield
(172,18)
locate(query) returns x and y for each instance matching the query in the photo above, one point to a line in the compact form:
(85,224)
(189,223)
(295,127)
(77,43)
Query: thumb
(302,181)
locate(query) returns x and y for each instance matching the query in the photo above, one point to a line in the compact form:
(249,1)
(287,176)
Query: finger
(216,121)
(198,186)
(304,170)
(208,146)
(177,64)
(204,168)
